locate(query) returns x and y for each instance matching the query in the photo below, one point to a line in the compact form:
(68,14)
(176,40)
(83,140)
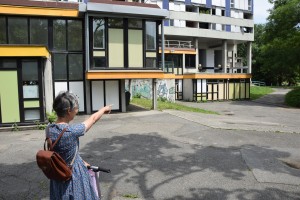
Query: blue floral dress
(79,187)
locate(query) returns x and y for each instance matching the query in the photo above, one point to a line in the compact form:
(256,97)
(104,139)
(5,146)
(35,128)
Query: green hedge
(292,98)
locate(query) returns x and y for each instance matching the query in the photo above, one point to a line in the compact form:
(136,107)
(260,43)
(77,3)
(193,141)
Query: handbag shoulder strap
(50,146)
(49,141)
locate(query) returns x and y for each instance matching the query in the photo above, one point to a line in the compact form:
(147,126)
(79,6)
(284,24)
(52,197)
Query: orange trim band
(128,75)
(38,11)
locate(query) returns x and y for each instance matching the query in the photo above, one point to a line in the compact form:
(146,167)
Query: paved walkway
(264,114)
(239,154)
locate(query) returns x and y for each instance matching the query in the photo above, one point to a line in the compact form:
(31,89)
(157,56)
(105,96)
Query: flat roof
(126,9)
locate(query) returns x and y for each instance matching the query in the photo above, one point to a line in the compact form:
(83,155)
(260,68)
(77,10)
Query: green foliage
(147,103)
(51,117)
(277,43)
(131,196)
(15,127)
(137,95)
(40,126)
(292,98)
(259,91)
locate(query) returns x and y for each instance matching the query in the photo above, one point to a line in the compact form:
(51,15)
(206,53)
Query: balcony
(178,44)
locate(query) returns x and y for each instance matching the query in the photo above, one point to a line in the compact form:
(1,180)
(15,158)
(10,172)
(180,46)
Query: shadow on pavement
(155,168)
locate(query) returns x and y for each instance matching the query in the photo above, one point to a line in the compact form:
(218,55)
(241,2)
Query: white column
(123,97)
(154,99)
(162,46)
(224,56)
(197,53)
(249,57)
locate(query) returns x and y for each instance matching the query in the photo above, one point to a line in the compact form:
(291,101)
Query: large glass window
(17,30)
(99,61)
(99,33)
(8,64)
(75,67)
(59,34)
(115,23)
(74,35)
(150,62)
(30,79)
(2,30)
(135,23)
(39,31)
(150,35)
(60,67)
(190,61)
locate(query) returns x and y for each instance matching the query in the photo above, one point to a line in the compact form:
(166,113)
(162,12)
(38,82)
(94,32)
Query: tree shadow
(156,168)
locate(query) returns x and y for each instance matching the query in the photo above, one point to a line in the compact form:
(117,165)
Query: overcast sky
(261,11)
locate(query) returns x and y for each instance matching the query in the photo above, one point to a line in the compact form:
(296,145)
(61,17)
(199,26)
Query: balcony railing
(178,44)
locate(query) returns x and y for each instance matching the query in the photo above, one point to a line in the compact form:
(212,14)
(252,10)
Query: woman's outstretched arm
(95,117)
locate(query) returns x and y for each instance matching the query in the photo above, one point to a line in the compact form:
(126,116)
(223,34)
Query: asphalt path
(239,154)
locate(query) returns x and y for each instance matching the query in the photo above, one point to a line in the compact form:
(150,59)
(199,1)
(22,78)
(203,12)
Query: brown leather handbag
(52,164)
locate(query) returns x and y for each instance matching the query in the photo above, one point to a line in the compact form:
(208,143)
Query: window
(74,35)
(135,23)
(8,64)
(59,35)
(99,62)
(30,79)
(3,30)
(39,31)
(190,61)
(99,33)
(231,3)
(60,67)
(249,4)
(150,35)
(17,30)
(115,23)
(171,22)
(75,67)
(150,62)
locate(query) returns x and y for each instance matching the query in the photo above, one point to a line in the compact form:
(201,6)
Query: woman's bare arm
(95,117)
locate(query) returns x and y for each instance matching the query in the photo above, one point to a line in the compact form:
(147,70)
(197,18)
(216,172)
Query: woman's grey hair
(64,102)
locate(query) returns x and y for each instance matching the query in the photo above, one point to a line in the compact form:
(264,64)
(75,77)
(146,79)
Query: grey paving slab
(163,156)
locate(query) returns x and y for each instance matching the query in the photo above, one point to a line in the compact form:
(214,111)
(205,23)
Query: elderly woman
(79,186)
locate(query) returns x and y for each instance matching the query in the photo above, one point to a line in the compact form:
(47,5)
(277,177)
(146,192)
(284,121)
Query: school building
(178,50)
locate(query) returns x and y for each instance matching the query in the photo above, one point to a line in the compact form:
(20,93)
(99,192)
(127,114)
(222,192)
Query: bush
(292,98)
(137,95)
(51,117)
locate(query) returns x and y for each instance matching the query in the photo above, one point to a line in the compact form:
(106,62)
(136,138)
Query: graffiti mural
(143,87)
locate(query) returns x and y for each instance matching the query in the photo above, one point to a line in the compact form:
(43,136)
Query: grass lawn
(259,91)
(164,105)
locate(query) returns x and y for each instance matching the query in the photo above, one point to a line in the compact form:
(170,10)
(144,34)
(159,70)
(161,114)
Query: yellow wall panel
(243,90)
(231,91)
(151,54)
(221,91)
(9,97)
(237,90)
(116,48)
(99,53)
(135,48)
(31,104)
(247,90)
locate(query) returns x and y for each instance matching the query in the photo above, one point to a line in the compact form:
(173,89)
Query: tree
(282,43)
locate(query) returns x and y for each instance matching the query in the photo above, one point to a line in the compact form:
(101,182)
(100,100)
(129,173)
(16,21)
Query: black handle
(97,169)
